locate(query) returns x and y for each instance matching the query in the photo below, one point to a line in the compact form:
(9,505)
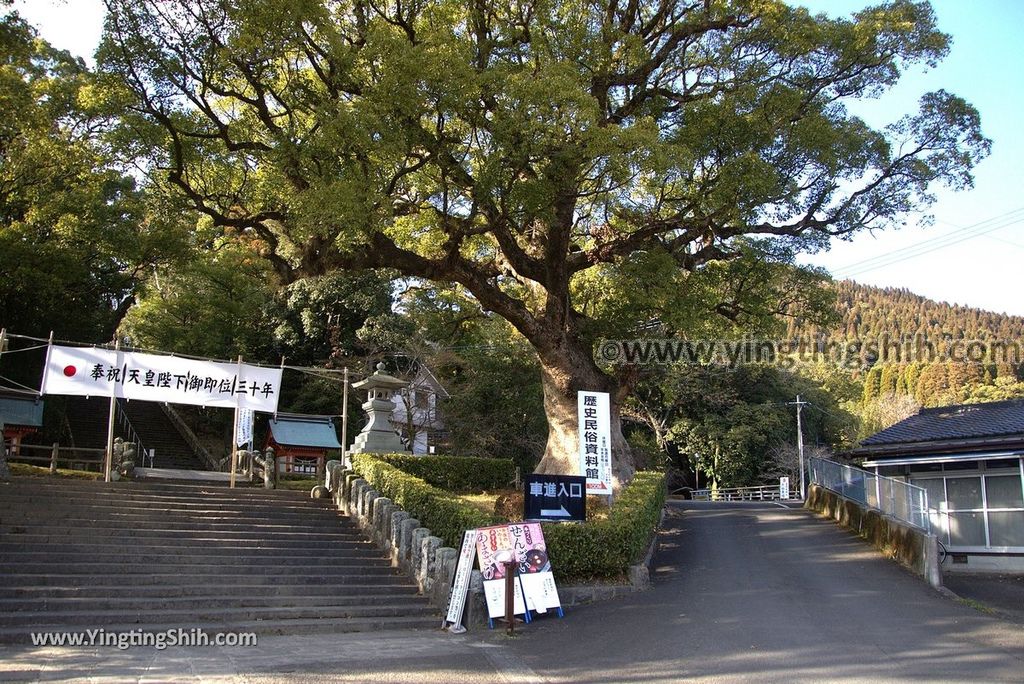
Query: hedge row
(604,549)
(446,516)
(456,473)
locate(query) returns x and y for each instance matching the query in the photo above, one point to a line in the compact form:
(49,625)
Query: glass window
(1003,491)
(1006,528)
(892,471)
(963,493)
(966,529)
(936,491)
(1002,464)
(961,465)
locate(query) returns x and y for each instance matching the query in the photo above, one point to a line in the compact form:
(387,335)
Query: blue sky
(973,254)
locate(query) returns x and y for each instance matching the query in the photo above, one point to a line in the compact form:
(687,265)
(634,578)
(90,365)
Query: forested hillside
(918,352)
(898,313)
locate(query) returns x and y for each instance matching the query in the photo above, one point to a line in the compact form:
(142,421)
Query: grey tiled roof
(292,429)
(965,421)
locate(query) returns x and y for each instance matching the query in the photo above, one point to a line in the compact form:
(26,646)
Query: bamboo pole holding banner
(344,419)
(234,431)
(110,423)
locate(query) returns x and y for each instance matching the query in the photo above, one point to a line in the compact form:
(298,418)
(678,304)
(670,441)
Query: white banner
(246,418)
(595,431)
(89,371)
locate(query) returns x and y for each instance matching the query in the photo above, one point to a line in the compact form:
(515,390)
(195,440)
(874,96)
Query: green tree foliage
(496,403)
(75,234)
(526,150)
(725,424)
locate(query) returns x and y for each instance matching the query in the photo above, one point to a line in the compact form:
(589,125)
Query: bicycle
(942,551)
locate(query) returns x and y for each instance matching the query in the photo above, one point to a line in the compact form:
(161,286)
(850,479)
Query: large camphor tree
(555,159)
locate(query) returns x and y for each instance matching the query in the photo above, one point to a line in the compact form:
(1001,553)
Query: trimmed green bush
(604,549)
(456,473)
(446,516)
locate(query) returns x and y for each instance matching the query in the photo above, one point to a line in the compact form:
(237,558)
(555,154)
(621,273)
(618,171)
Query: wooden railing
(53,456)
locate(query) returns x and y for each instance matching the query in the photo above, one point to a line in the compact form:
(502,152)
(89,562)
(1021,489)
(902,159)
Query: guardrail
(132,436)
(761,493)
(901,500)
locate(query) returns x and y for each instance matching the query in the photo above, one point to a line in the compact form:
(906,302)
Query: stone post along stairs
(80,555)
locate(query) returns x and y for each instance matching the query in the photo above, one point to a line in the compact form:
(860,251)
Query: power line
(927,246)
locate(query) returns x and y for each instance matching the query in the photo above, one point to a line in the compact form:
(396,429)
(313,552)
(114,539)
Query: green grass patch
(26,470)
(977,605)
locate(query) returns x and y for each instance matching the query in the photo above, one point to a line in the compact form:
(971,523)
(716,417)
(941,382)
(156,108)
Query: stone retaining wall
(418,553)
(911,547)
(413,549)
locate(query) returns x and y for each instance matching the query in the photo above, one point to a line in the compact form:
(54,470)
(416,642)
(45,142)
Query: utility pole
(800,442)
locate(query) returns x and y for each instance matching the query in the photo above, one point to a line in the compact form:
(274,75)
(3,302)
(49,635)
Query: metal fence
(763,493)
(897,498)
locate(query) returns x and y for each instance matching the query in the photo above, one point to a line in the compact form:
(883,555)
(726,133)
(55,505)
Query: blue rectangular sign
(555,497)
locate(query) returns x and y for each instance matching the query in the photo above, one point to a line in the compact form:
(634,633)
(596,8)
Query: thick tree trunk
(563,375)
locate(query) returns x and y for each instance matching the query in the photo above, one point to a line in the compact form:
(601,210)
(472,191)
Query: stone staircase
(87,420)
(80,555)
(157,431)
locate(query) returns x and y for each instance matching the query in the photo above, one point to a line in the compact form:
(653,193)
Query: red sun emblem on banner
(70,371)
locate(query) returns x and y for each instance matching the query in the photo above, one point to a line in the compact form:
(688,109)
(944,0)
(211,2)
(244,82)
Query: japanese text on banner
(90,371)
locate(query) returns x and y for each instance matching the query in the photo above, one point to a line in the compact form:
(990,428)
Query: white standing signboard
(460,583)
(784,488)
(91,371)
(595,431)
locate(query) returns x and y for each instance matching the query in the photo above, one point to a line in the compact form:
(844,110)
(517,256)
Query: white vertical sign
(460,582)
(595,433)
(245,426)
(784,488)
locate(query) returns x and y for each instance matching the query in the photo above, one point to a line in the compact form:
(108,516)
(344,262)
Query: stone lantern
(378,436)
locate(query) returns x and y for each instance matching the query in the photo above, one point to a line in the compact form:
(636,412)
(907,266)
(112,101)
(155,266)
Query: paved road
(742,593)
(763,593)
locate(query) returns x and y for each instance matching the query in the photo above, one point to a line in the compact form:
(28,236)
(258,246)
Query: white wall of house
(421,402)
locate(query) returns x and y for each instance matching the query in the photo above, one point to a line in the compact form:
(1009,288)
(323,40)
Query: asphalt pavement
(742,593)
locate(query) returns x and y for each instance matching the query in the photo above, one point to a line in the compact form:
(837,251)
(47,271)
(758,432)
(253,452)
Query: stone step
(10,533)
(308,526)
(195,549)
(387,584)
(23,635)
(59,557)
(15,500)
(100,618)
(198,506)
(71,486)
(333,566)
(200,541)
(218,578)
(116,603)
